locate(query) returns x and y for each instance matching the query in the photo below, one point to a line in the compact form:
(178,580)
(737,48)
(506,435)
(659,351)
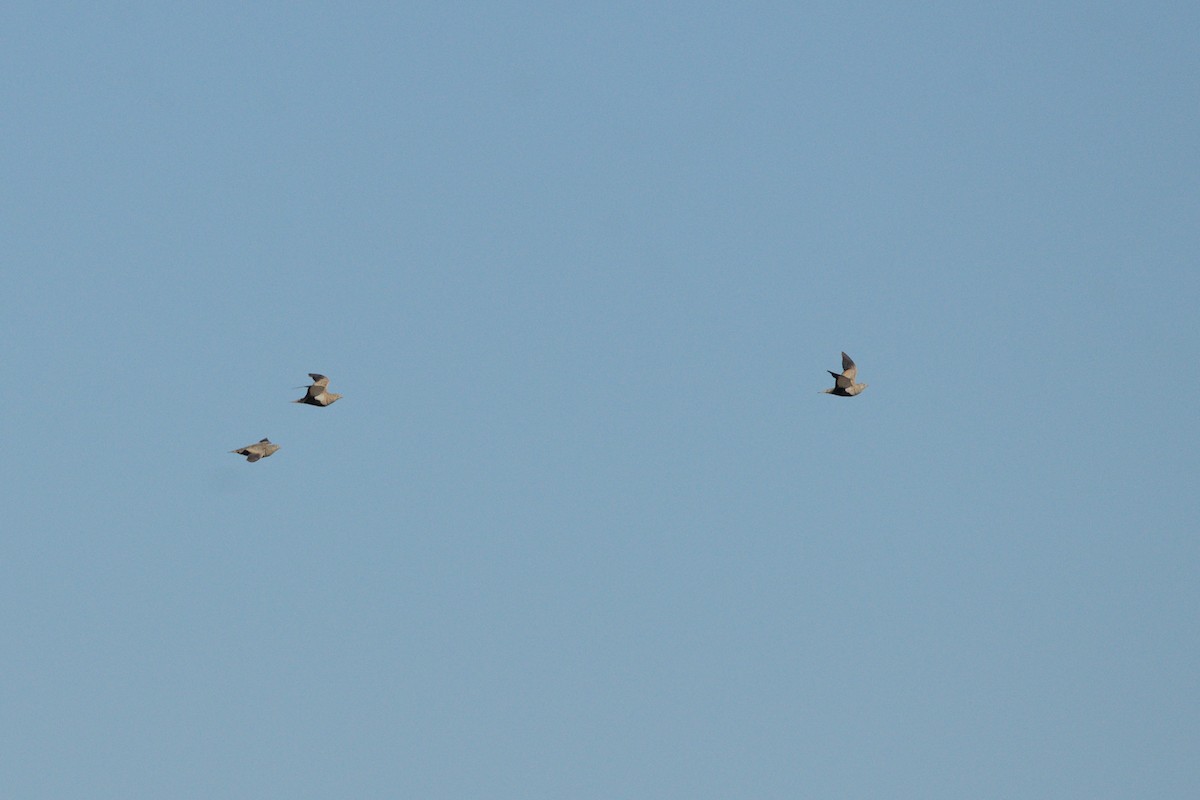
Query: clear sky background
(582,526)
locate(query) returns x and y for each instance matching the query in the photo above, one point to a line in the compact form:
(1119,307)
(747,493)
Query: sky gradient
(582,525)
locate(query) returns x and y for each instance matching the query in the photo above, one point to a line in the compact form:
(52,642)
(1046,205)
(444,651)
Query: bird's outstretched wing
(849,370)
(840,381)
(319,380)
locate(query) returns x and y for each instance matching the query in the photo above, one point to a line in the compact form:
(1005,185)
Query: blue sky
(582,525)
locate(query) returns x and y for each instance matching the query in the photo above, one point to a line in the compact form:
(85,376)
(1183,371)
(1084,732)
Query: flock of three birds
(318,395)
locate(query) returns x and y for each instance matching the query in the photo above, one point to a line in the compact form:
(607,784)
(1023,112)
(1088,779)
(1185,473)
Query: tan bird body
(843,384)
(317,394)
(260,449)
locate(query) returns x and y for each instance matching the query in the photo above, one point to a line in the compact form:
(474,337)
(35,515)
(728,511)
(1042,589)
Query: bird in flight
(253,452)
(844,385)
(317,394)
